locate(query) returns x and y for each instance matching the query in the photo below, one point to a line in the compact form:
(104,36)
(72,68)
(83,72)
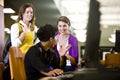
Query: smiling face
(63,27)
(28,14)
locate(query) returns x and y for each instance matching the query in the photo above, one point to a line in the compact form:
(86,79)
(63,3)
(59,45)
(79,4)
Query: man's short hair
(45,32)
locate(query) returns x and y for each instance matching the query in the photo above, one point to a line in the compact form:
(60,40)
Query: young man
(40,60)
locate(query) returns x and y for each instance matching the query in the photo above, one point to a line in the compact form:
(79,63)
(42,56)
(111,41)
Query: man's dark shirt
(37,59)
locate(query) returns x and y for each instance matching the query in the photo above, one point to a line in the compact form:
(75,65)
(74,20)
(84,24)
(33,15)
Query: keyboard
(66,75)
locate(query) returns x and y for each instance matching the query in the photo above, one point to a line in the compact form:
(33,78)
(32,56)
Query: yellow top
(27,42)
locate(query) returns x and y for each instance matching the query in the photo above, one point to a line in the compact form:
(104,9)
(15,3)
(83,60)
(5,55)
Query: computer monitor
(93,35)
(117,41)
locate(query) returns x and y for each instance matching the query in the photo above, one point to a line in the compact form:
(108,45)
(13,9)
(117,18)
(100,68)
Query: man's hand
(53,72)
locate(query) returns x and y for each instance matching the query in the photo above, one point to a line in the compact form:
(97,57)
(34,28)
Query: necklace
(63,40)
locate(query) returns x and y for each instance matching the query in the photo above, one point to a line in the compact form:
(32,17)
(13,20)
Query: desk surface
(49,78)
(87,74)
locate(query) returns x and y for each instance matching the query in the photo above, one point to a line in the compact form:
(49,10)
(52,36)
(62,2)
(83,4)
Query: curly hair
(45,32)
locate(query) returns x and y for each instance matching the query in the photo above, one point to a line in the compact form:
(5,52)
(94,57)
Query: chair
(16,61)
(112,60)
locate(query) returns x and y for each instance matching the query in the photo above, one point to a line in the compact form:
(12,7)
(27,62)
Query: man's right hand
(54,72)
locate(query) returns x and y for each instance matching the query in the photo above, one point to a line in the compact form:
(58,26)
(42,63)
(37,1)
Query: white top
(15,34)
(68,63)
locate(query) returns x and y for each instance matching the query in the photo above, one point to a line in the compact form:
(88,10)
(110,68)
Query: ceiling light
(110,22)
(80,32)
(78,18)
(81,38)
(8,10)
(112,38)
(110,17)
(81,35)
(104,26)
(78,26)
(14,17)
(108,10)
(75,5)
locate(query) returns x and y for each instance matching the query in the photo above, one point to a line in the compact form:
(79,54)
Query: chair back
(16,61)
(112,60)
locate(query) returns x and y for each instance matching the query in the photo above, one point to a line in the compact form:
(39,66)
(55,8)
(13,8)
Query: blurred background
(90,36)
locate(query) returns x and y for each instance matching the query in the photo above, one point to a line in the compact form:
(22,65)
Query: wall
(1,35)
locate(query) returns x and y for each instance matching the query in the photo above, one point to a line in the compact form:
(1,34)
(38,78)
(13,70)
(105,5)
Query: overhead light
(14,17)
(107,10)
(78,25)
(105,26)
(81,38)
(78,18)
(75,5)
(81,32)
(110,22)
(8,10)
(81,35)
(110,17)
(112,38)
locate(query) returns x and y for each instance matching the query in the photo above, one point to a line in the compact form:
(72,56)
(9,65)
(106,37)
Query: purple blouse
(73,51)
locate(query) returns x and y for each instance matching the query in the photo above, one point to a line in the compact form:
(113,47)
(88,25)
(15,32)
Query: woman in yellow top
(23,31)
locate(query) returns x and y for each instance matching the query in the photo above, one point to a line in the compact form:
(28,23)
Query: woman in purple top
(67,45)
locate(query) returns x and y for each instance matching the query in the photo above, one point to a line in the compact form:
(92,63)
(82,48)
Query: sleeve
(36,61)
(36,29)
(55,60)
(14,36)
(74,52)
(36,40)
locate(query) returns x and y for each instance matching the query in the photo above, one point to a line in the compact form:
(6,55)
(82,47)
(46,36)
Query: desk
(96,74)
(65,76)
(90,74)
(49,78)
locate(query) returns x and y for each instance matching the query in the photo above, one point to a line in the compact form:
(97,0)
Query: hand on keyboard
(65,75)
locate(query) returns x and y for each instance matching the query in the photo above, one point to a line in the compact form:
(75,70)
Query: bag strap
(20,28)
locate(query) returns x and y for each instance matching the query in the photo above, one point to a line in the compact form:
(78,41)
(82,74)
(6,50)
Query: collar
(41,48)
(21,22)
